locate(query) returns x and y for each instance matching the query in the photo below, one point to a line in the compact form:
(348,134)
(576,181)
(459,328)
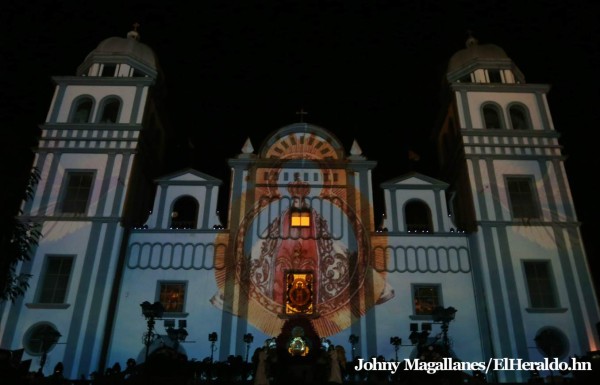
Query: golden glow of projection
(300,219)
(347,280)
(302,146)
(299,296)
(306,223)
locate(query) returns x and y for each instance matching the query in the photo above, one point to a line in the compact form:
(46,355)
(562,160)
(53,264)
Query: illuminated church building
(497,239)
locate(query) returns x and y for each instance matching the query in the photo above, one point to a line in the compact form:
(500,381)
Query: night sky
(370,71)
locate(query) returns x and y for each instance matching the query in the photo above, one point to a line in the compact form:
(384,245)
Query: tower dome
(489,57)
(126,50)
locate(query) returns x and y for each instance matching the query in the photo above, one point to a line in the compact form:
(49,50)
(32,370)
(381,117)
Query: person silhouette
(260,373)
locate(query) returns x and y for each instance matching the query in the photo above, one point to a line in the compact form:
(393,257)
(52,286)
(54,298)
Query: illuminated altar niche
(299,294)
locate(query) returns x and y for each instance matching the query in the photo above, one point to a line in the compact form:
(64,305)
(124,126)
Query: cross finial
(301,113)
(471,41)
(136,25)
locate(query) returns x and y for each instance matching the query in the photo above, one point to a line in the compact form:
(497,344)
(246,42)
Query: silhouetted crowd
(264,368)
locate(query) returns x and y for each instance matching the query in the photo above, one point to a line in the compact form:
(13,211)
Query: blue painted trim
(546,126)
(366,207)
(366,202)
(587,287)
(50,182)
(117,209)
(60,96)
(41,159)
(394,210)
(466,109)
(228,291)
(516,313)
(481,305)
(548,191)
(97,299)
(494,189)
(440,217)
(207,206)
(105,184)
(139,90)
(561,180)
(161,209)
(506,258)
(478,188)
(81,299)
(497,297)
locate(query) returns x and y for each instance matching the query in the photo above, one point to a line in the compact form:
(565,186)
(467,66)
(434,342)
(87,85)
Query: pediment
(186,176)
(415,180)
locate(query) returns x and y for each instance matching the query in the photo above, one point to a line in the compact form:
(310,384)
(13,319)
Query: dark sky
(367,70)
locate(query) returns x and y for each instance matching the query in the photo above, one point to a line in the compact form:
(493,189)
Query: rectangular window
(55,279)
(540,284)
(172,296)
(76,193)
(426,298)
(300,219)
(523,200)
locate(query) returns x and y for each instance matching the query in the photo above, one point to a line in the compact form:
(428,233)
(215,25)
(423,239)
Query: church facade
(487,262)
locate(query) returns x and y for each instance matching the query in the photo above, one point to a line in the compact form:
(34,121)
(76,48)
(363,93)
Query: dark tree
(18,238)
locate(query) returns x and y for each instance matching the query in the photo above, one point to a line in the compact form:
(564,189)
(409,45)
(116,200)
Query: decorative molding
(423,259)
(173,256)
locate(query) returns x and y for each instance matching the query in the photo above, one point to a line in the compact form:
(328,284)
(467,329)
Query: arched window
(185,213)
(418,217)
(109,113)
(491,117)
(519,117)
(82,111)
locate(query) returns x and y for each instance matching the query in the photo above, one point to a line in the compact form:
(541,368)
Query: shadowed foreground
(177,370)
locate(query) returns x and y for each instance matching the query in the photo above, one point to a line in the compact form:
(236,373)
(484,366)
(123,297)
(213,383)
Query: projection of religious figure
(308,225)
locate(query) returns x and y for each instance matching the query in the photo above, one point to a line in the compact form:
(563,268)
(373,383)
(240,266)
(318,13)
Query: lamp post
(49,337)
(353,339)
(444,316)
(151,311)
(248,339)
(396,342)
(213,338)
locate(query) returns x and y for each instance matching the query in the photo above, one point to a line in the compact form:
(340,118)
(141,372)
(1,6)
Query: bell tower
(99,149)
(500,152)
